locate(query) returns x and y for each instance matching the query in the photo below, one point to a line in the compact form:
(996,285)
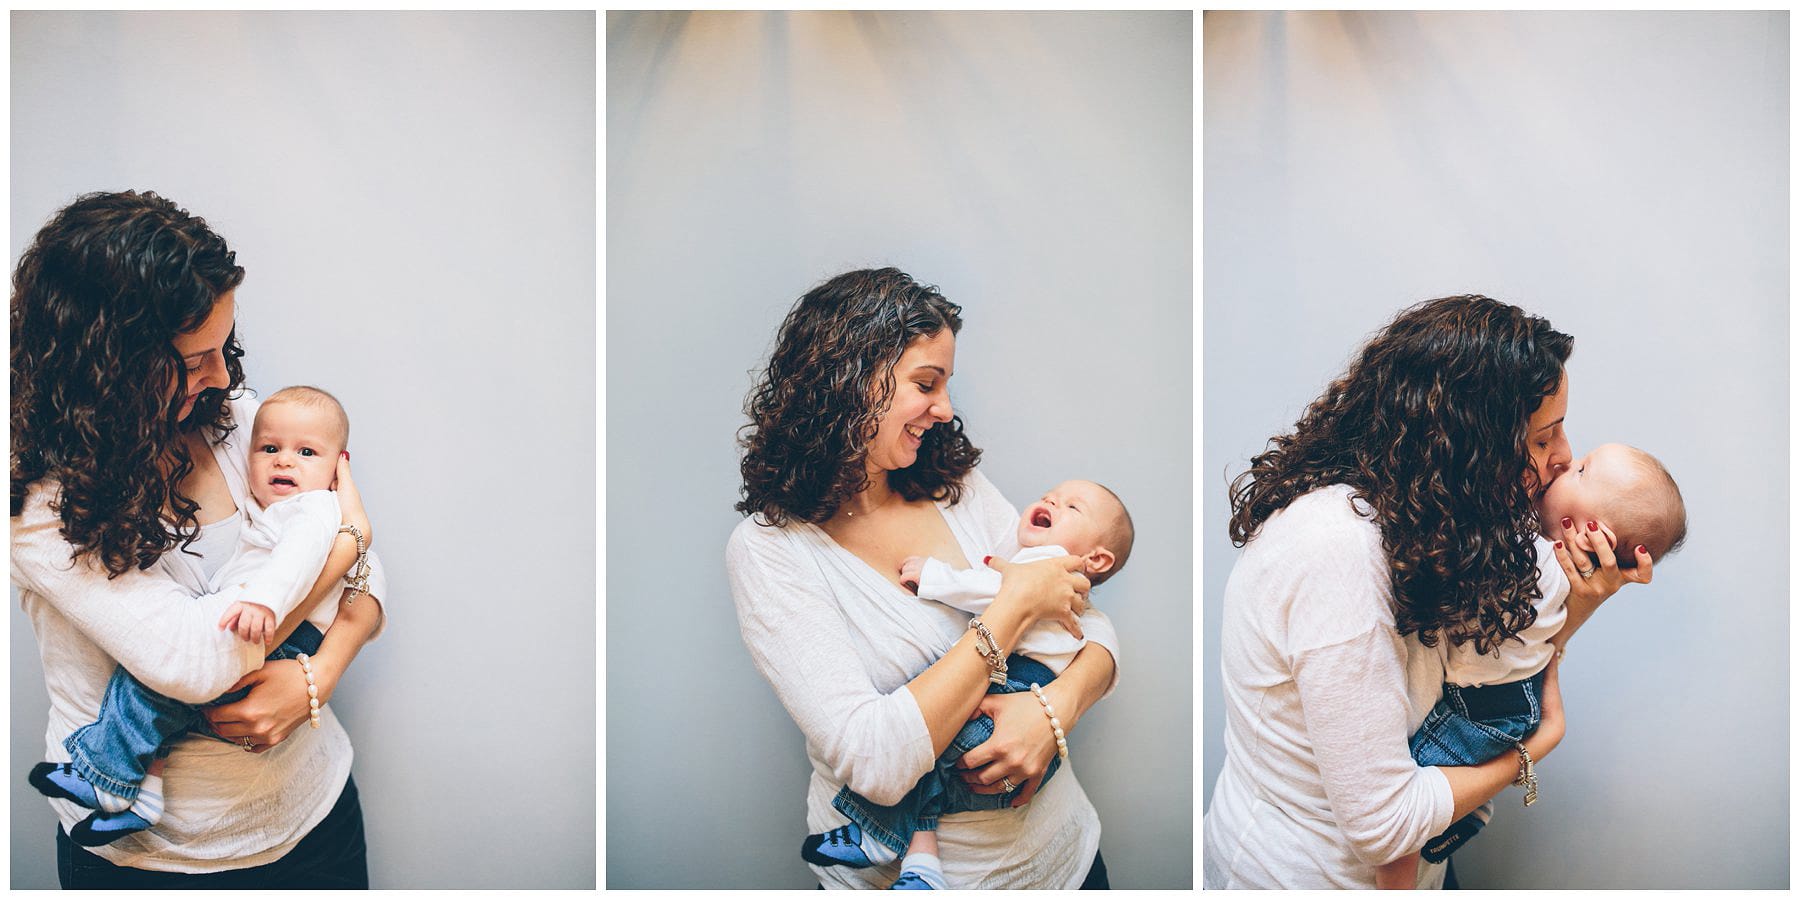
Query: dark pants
(332,856)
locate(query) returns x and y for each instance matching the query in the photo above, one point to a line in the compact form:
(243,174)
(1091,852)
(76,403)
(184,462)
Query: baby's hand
(910,569)
(253,622)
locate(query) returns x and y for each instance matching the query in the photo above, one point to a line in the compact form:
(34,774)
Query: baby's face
(293,448)
(1589,485)
(1072,515)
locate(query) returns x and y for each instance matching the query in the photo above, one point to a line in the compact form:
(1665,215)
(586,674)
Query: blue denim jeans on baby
(942,790)
(1470,726)
(136,723)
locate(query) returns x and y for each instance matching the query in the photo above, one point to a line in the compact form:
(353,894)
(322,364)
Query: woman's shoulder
(1333,514)
(756,541)
(1316,573)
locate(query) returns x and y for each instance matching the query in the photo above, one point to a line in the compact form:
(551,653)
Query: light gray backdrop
(1038,167)
(413,198)
(1624,175)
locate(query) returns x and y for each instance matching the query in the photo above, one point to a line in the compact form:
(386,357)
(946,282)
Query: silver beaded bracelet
(990,651)
(1062,744)
(358,579)
(1527,775)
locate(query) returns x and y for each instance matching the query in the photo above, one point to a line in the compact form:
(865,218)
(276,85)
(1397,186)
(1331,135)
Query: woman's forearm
(1082,683)
(356,621)
(1471,786)
(949,689)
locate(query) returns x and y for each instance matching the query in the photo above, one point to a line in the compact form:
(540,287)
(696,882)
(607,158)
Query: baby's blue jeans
(136,724)
(942,790)
(1470,726)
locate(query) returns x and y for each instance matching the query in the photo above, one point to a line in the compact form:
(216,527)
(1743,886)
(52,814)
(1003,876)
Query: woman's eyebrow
(1552,424)
(937,369)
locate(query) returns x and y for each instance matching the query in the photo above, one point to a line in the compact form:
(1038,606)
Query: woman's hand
(1019,750)
(350,500)
(1053,589)
(277,704)
(1602,581)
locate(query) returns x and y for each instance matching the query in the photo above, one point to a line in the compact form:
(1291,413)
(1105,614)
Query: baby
(1076,518)
(1490,701)
(288,530)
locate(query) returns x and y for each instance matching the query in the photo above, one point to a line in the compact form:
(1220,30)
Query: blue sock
(60,780)
(845,845)
(922,872)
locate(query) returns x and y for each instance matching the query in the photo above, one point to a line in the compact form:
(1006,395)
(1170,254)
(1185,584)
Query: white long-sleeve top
(839,643)
(226,809)
(280,551)
(1321,695)
(973,590)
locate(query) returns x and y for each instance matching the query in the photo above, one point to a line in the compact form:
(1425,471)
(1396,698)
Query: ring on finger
(1006,784)
(247,744)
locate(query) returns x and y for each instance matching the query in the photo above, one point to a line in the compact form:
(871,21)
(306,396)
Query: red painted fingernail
(346,454)
(986,559)
(1642,551)
(1559,545)
(1568,522)
(1593,526)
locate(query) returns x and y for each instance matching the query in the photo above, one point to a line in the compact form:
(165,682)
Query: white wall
(412,196)
(1625,176)
(1038,167)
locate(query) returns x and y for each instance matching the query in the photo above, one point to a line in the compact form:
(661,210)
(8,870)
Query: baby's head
(1085,519)
(294,446)
(1628,490)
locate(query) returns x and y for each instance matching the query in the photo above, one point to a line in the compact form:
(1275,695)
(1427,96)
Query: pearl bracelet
(312,687)
(1062,744)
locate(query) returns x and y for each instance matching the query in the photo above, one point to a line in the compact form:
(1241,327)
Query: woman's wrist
(1006,622)
(327,668)
(1066,701)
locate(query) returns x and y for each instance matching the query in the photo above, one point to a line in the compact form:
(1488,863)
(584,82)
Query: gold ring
(248,745)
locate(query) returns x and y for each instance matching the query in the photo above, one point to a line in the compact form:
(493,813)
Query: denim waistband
(1495,701)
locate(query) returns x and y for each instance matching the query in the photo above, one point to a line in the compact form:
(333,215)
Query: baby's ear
(1101,560)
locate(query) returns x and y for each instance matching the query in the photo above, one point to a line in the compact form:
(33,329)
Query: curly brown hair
(828,383)
(1429,427)
(98,299)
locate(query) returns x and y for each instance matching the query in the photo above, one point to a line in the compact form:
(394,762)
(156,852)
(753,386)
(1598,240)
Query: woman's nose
(942,410)
(1561,457)
(212,373)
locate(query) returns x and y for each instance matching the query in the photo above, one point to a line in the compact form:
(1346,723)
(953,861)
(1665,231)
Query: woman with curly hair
(1396,520)
(854,460)
(128,473)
